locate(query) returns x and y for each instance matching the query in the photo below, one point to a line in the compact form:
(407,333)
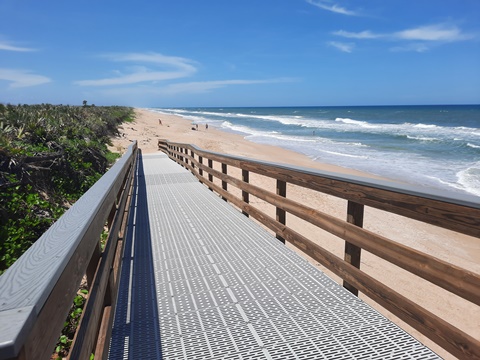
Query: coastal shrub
(49,156)
(70,325)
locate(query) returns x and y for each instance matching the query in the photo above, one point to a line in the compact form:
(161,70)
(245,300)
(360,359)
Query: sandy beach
(454,248)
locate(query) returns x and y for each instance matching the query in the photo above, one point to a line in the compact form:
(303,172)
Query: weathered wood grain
(355,213)
(245,194)
(281,214)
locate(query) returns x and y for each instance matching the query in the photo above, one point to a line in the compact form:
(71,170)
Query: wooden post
(245,194)
(224,183)
(200,160)
(355,213)
(93,264)
(280,213)
(210,176)
(111,216)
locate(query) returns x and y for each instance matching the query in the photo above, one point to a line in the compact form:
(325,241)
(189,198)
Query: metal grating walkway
(202,281)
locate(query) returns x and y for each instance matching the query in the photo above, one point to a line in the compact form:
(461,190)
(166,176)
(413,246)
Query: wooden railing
(37,291)
(461,215)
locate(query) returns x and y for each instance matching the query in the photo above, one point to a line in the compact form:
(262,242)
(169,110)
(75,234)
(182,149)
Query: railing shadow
(136,331)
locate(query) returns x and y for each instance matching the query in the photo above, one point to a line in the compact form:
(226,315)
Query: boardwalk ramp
(202,281)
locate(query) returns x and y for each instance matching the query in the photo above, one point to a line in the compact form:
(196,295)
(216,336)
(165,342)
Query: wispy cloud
(345,47)
(22,78)
(419,39)
(166,68)
(367,34)
(145,70)
(8,46)
(205,86)
(416,47)
(439,32)
(145,92)
(329,6)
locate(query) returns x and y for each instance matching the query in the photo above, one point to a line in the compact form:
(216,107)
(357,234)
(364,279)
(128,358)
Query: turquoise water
(434,146)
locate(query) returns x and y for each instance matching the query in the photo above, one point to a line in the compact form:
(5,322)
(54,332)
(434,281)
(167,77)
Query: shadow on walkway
(136,331)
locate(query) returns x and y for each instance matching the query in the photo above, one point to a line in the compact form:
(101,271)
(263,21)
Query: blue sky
(240,53)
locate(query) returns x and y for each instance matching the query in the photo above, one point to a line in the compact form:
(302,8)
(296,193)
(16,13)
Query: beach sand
(454,248)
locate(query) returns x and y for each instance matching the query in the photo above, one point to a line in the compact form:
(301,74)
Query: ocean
(434,146)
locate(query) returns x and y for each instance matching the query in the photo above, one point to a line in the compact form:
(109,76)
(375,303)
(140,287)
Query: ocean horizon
(432,146)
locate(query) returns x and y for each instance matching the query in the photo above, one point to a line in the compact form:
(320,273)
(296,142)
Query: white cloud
(172,67)
(345,47)
(7,46)
(438,32)
(155,58)
(419,39)
(367,34)
(133,78)
(22,78)
(160,68)
(417,47)
(327,5)
(205,86)
(194,87)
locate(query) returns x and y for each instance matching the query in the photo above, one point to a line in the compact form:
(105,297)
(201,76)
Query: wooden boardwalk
(201,281)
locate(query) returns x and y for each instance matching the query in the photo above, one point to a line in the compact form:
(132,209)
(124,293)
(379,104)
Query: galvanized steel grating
(224,288)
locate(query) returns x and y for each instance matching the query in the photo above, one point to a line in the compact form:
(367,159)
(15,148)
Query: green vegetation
(49,156)
(70,326)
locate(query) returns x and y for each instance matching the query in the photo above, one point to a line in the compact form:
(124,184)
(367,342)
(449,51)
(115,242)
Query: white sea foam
(287,120)
(196,119)
(470,179)
(364,124)
(345,155)
(253,134)
(284,138)
(425,126)
(422,138)
(237,128)
(357,144)
(473,146)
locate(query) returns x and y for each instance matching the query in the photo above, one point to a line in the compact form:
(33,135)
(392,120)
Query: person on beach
(159,122)
(196,126)
(206,126)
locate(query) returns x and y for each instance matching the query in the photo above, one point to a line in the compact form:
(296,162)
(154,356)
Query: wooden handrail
(37,291)
(460,213)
